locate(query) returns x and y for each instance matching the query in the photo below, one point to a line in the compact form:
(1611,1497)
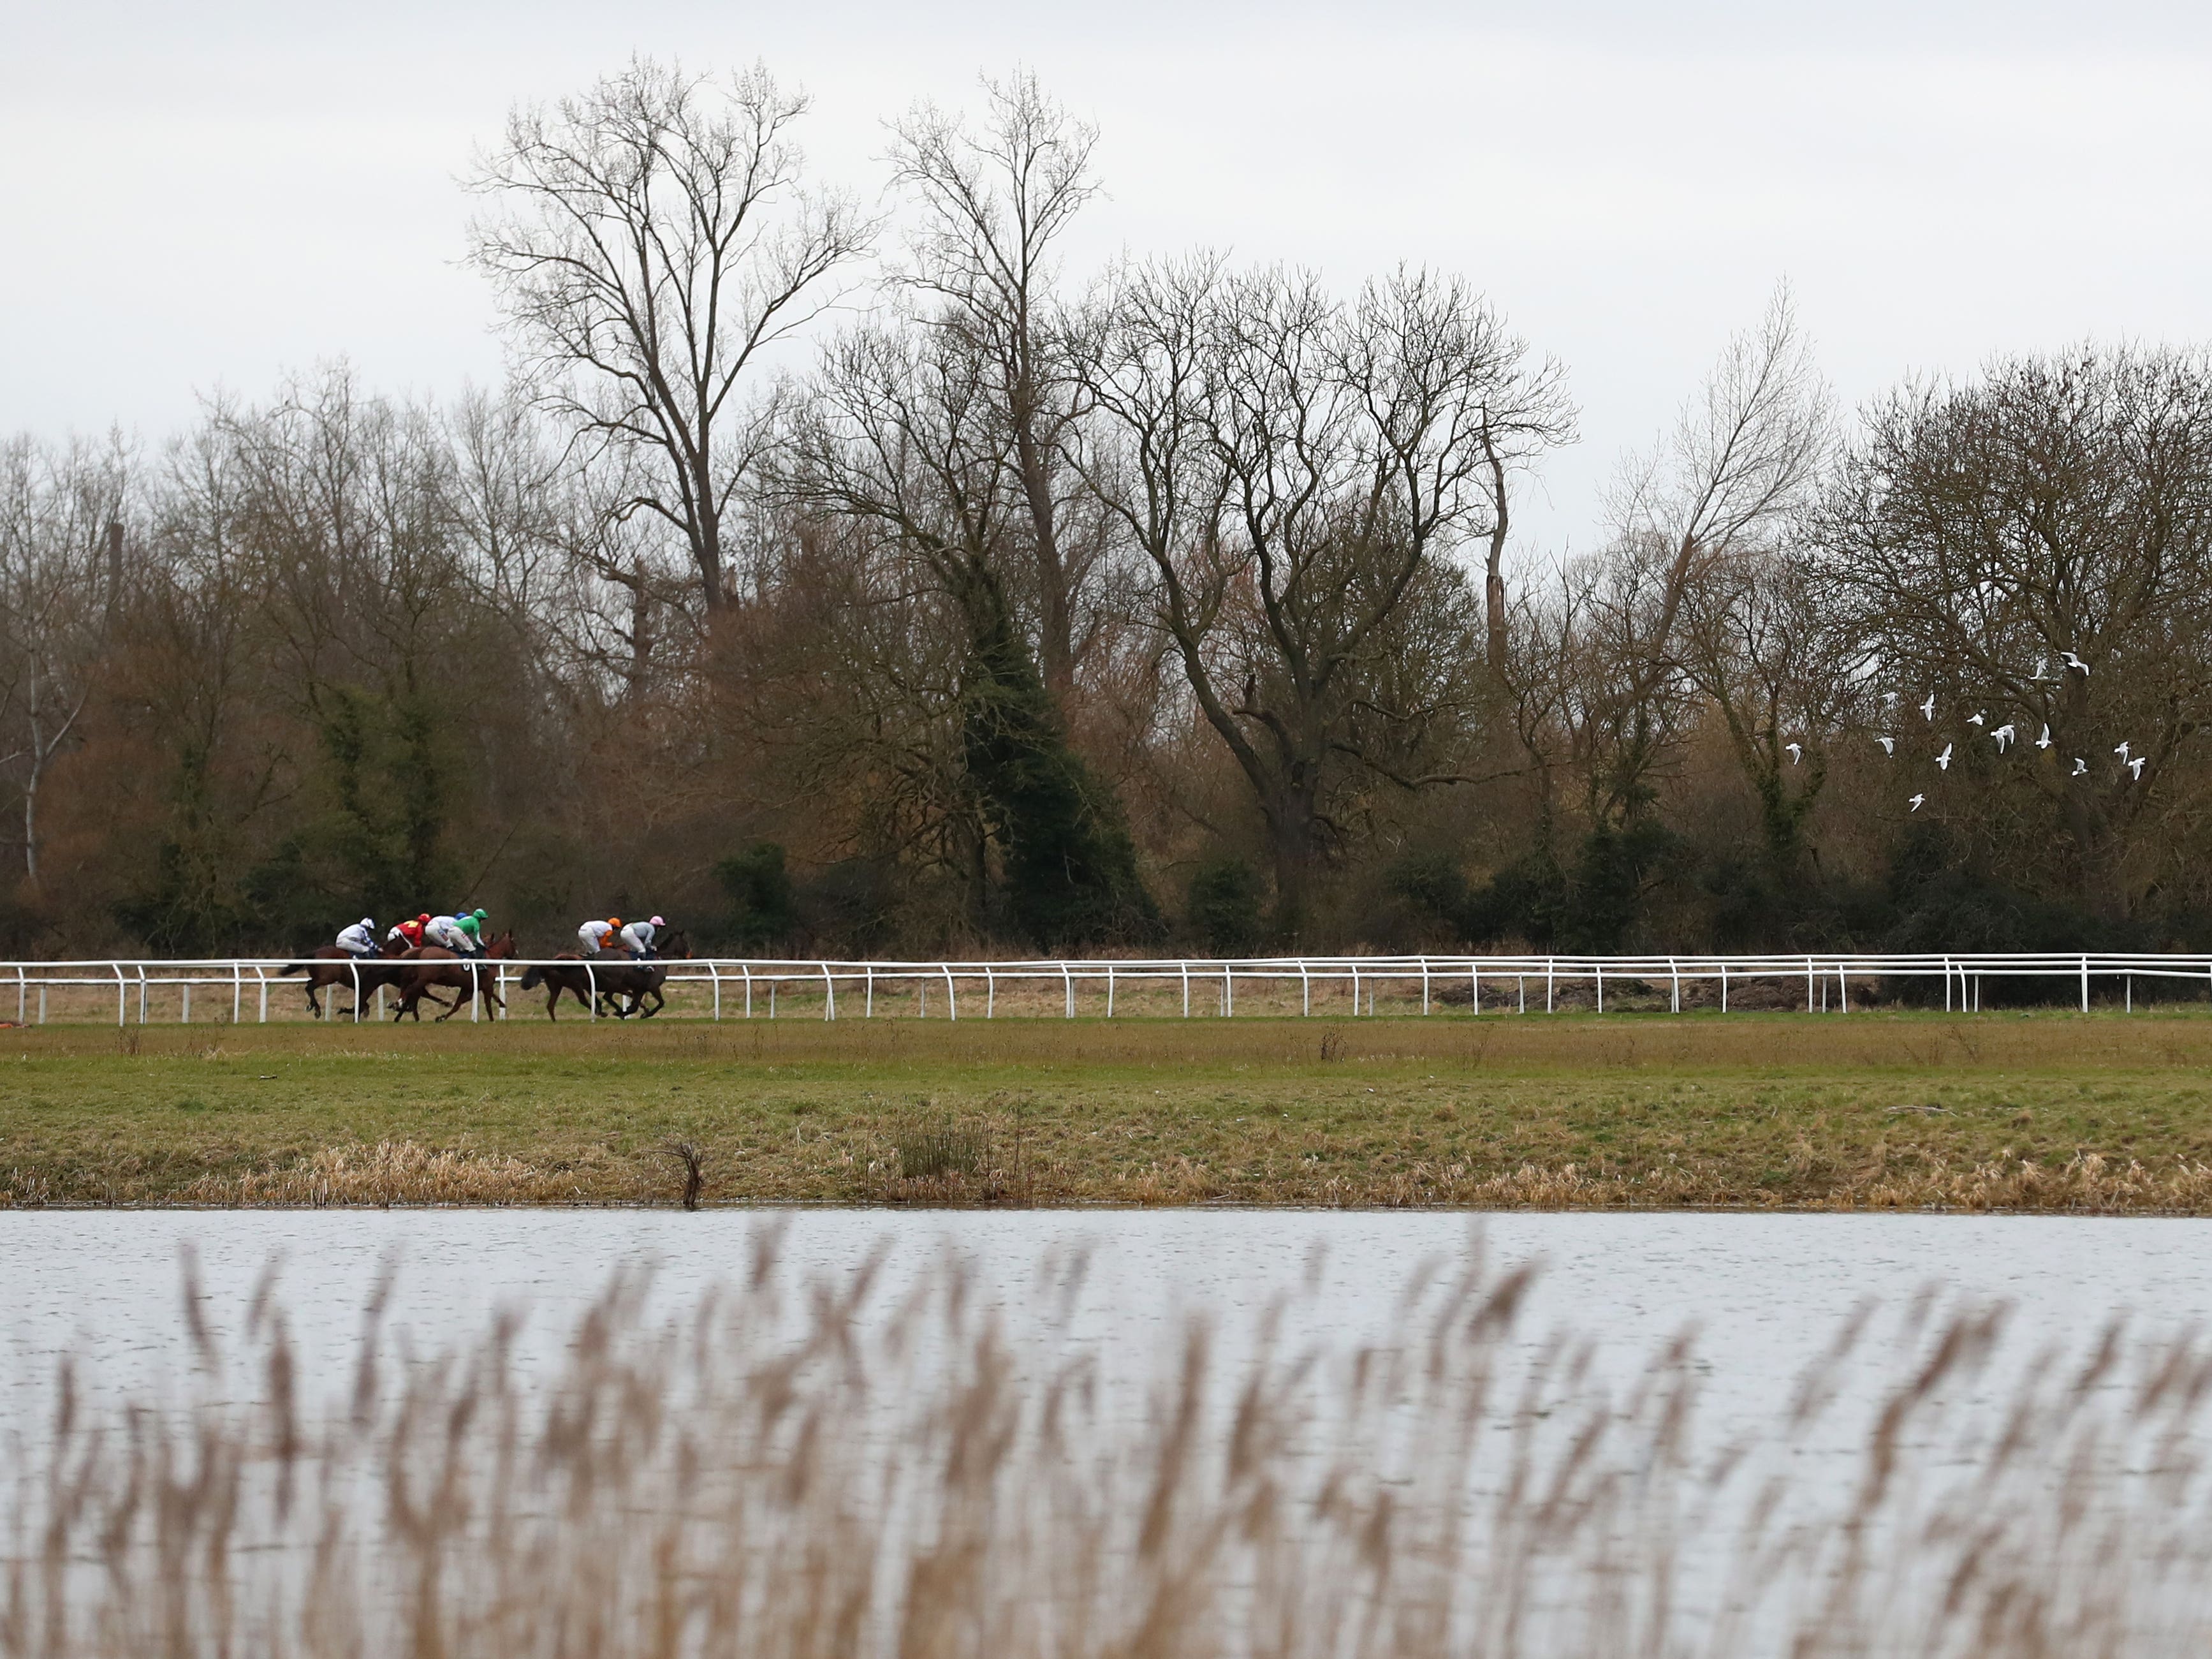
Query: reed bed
(859,1468)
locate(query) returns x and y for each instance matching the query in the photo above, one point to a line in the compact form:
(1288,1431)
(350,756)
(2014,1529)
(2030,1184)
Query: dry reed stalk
(817,1469)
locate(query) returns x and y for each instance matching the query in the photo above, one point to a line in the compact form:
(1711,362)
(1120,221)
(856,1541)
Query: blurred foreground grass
(2050,1111)
(887,1462)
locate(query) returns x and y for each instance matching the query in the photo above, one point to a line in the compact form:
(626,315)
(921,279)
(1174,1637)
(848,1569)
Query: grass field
(2050,1111)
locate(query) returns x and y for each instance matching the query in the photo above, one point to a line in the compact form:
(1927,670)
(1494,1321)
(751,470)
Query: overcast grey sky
(201,196)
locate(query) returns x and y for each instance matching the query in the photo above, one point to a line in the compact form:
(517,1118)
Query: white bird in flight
(1888,745)
(1796,752)
(1979,718)
(2043,741)
(2135,766)
(2123,752)
(1917,800)
(2080,766)
(2074,662)
(2004,735)
(1943,760)
(1928,708)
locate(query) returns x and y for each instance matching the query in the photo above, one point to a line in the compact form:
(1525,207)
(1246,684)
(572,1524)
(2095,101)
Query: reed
(839,1468)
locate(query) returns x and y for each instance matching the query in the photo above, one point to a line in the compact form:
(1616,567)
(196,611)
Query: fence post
(951,1002)
(42,1003)
(829,994)
(500,979)
(1674,974)
(475,991)
(591,980)
(1551,968)
(714,975)
(1424,986)
(1473,985)
(237,991)
(142,993)
(990,993)
(380,1005)
(22,984)
(1305,989)
(746,969)
(1067,983)
(261,974)
(869,1011)
(1809,985)
(1110,990)
(120,1003)
(1600,984)
(1843,988)
(1228,993)
(1355,988)
(1186,990)
(1723,984)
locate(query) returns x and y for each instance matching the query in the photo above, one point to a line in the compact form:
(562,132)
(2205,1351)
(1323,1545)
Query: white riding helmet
(369,922)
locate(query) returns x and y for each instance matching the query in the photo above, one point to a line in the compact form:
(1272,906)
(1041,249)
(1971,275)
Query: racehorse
(611,980)
(433,965)
(334,965)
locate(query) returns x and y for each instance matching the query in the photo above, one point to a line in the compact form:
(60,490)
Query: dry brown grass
(391,1173)
(818,1470)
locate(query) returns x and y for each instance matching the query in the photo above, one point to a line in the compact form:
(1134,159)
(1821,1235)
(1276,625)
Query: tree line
(845,578)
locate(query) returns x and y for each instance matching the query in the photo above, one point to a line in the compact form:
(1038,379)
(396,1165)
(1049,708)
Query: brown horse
(433,965)
(333,966)
(610,978)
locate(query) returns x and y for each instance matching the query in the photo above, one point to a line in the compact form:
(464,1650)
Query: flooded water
(1763,1293)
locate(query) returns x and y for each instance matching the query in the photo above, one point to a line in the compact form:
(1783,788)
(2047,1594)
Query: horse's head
(675,942)
(395,945)
(502,946)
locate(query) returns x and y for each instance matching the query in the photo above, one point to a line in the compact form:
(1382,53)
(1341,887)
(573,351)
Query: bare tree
(60,561)
(996,203)
(1983,533)
(650,241)
(1296,470)
(1743,461)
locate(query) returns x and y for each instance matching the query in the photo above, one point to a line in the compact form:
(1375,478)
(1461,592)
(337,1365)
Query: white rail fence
(743,987)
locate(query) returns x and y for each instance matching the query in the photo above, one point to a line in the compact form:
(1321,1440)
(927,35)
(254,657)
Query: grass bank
(2049,1111)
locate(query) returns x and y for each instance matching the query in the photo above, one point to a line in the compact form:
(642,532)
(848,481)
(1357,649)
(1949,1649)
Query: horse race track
(2050,1111)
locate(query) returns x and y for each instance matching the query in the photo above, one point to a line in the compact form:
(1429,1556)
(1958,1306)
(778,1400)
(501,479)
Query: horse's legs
(313,1007)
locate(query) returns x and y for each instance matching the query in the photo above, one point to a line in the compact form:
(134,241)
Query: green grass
(2050,1111)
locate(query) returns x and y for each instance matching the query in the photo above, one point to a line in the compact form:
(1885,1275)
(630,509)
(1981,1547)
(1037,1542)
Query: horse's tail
(294,967)
(533,978)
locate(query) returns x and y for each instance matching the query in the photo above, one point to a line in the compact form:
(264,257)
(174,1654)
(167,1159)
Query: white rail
(1325,984)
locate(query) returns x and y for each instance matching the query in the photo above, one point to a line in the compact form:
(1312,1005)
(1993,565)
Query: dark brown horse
(609,977)
(433,965)
(333,966)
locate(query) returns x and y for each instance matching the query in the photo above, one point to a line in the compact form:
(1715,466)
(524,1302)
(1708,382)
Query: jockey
(410,934)
(359,939)
(594,934)
(447,932)
(471,923)
(637,938)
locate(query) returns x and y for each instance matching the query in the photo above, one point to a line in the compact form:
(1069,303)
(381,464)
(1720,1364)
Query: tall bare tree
(1743,462)
(996,203)
(1296,470)
(650,239)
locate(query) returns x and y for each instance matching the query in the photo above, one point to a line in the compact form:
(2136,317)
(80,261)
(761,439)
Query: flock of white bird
(2003,736)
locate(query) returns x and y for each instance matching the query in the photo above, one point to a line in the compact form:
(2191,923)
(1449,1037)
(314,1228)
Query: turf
(2105,1112)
